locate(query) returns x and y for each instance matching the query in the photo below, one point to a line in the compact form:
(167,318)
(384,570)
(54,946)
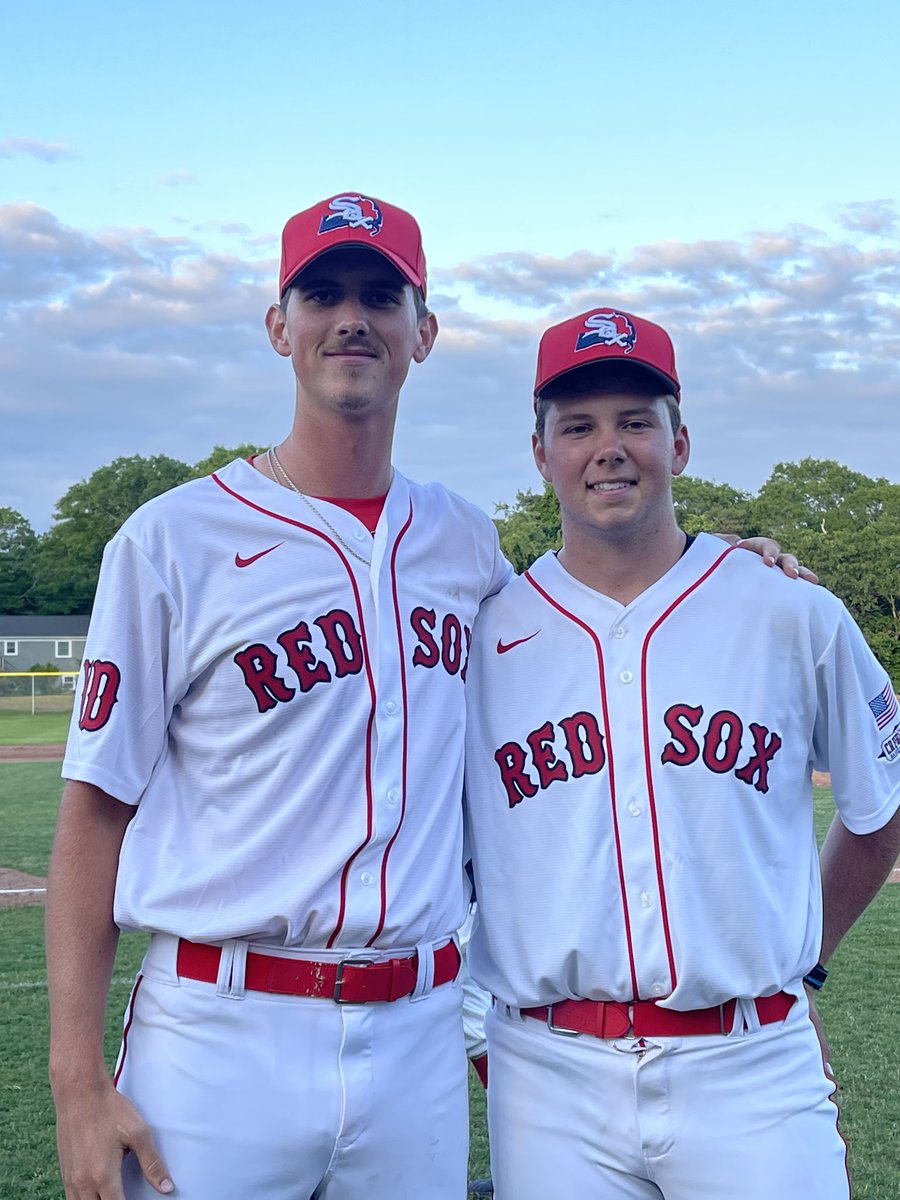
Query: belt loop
(746,1018)
(161,959)
(232,968)
(424,971)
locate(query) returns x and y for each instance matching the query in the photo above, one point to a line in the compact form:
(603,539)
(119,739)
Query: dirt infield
(35,753)
(18,889)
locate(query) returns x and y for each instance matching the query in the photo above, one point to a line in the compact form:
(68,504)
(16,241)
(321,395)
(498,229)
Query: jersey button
(646,899)
(390,707)
(367,878)
(634,808)
(358,534)
(658,989)
(619,632)
(393,796)
(626,676)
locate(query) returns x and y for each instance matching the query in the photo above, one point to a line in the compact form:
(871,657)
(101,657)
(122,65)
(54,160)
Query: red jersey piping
(609,758)
(371,721)
(387,850)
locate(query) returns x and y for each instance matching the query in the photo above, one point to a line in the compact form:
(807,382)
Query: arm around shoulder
(95,1124)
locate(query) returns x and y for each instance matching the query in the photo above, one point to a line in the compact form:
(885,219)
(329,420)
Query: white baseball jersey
(288,721)
(638,779)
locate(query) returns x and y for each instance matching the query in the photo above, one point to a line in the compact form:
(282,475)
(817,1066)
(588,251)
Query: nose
(351,319)
(609,447)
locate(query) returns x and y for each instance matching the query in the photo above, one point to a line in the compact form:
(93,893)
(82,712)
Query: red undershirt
(367,510)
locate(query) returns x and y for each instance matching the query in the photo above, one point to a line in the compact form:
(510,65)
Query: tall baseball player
(644,713)
(264,773)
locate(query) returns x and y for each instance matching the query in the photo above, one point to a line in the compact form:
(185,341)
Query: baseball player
(644,714)
(264,773)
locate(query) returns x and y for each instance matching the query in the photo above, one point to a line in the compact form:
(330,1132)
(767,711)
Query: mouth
(612,487)
(347,352)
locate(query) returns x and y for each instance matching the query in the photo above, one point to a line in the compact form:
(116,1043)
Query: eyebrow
(641,410)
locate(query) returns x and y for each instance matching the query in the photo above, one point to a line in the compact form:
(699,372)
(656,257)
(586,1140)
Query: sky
(730,171)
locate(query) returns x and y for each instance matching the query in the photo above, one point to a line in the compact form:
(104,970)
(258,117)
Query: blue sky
(733,171)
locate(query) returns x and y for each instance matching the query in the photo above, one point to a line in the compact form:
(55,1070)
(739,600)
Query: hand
(820,1032)
(772,556)
(94,1131)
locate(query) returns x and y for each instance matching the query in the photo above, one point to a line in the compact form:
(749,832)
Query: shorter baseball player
(645,709)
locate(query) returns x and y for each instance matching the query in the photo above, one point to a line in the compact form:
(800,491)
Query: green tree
(529,527)
(847,527)
(18,550)
(87,516)
(702,506)
(220,456)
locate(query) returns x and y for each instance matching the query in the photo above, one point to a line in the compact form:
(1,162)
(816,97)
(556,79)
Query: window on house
(11,649)
(64,649)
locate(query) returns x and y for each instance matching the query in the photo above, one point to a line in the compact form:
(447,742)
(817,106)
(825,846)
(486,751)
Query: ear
(682,450)
(277,331)
(428,331)
(540,458)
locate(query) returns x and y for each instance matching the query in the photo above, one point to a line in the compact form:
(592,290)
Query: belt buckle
(560,1029)
(339,977)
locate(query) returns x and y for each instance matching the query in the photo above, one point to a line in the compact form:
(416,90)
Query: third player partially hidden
(645,709)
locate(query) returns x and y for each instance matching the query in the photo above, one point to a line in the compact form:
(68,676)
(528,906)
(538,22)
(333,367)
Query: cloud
(14,147)
(870,216)
(530,280)
(121,341)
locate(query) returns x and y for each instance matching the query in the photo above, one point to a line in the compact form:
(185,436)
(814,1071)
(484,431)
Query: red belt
(644,1018)
(351,981)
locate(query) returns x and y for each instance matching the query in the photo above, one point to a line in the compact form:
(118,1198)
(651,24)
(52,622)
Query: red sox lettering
(455,637)
(343,654)
(527,769)
(259,663)
(99,694)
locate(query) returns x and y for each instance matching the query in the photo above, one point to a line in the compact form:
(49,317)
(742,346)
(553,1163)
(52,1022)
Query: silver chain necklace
(277,469)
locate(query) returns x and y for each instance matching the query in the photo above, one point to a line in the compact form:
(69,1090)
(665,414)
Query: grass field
(858,1005)
(41,729)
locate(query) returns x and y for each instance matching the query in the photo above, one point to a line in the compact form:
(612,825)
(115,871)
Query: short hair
(593,377)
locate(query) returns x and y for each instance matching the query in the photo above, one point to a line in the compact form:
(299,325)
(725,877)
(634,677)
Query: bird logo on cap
(608,328)
(352,212)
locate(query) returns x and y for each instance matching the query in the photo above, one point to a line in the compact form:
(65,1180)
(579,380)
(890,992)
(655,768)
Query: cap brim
(650,372)
(404,268)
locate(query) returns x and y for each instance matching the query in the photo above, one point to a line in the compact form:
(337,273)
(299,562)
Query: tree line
(843,524)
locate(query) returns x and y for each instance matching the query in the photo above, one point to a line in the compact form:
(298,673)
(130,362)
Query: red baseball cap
(605,335)
(352,219)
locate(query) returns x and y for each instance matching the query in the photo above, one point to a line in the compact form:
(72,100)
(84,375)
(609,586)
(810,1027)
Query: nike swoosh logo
(245,562)
(502,649)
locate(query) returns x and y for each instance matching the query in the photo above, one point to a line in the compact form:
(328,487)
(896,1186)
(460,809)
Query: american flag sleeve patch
(884,706)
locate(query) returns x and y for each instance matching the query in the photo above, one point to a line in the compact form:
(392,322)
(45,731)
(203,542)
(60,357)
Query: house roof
(43,627)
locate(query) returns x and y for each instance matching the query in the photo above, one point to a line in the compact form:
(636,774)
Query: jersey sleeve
(857,730)
(501,568)
(131,677)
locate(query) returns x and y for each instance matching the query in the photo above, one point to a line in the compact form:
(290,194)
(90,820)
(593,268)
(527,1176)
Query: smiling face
(349,325)
(610,454)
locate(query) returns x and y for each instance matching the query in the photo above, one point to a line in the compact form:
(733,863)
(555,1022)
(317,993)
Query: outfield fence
(37,691)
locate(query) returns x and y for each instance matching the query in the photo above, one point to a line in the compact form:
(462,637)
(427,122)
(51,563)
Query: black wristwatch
(816,977)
